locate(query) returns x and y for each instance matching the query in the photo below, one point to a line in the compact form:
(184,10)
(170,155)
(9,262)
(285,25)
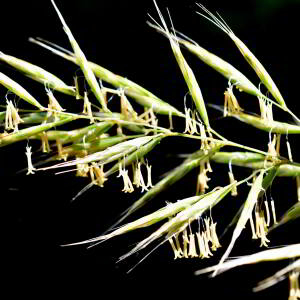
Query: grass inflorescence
(102,142)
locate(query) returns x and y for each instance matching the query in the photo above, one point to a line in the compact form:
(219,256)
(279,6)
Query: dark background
(37,210)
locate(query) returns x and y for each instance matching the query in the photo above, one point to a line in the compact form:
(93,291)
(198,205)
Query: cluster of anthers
(259,226)
(202,177)
(138,179)
(193,125)
(94,170)
(97,175)
(12,118)
(200,245)
(231,105)
(53,106)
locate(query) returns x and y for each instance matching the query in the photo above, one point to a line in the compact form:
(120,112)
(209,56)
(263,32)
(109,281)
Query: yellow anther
(31,168)
(185,243)
(45,142)
(12,118)
(128,187)
(273,211)
(87,108)
(192,248)
(232,180)
(254,236)
(175,250)
(214,237)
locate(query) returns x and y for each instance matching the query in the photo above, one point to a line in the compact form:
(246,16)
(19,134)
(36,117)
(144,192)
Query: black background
(37,210)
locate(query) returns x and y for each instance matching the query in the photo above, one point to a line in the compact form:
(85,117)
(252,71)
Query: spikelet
(187,72)
(248,55)
(244,217)
(82,61)
(19,91)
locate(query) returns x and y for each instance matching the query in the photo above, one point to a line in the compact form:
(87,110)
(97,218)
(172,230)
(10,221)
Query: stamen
(232,180)
(180,252)
(97,174)
(149,178)
(269,112)
(231,104)
(263,230)
(53,103)
(128,187)
(192,248)
(87,108)
(76,87)
(60,150)
(206,244)
(201,245)
(214,238)
(273,211)
(176,252)
(138,177)
(31,168)
(268,212)
(82,170)
(257,224)
(272,148)
(45,143)
(254,236)
(207,228)
(204,142)
(12,118)
(294,285)
(185,243)
(202,180)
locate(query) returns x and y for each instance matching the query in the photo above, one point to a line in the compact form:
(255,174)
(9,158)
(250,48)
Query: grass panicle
(96,142)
